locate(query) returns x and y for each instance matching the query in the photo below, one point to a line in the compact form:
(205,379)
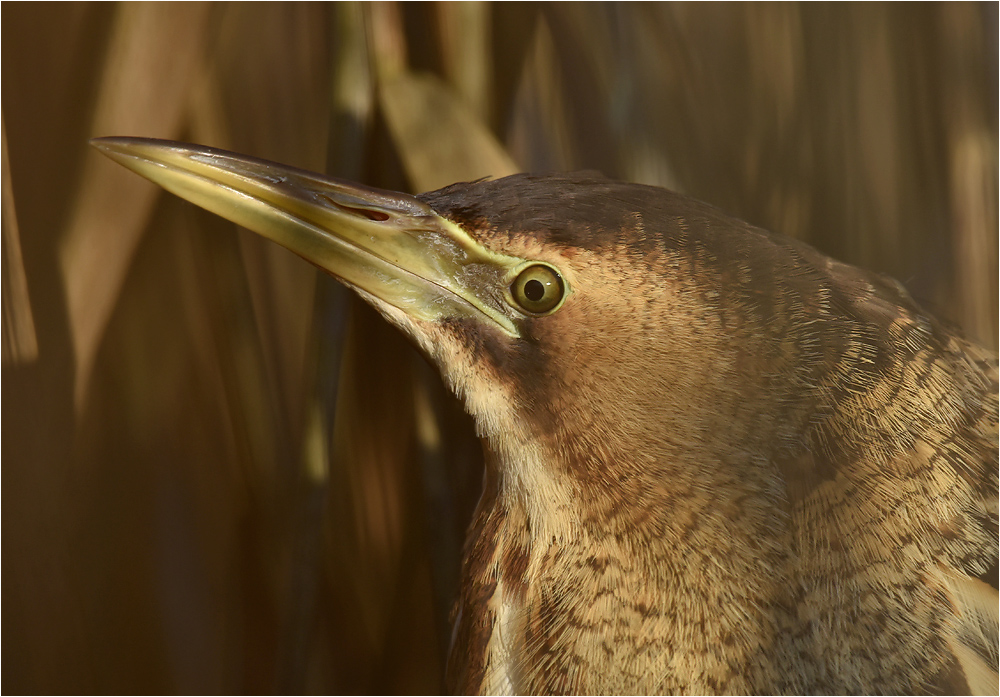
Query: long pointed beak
(389,245)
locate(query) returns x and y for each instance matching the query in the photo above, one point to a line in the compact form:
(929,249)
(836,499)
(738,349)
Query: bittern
(717,460)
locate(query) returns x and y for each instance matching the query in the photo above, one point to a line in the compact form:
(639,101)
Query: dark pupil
(534,290)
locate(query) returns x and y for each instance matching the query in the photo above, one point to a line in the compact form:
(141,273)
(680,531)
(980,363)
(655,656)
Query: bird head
(599,333)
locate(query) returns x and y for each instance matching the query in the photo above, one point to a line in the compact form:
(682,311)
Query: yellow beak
(389,245)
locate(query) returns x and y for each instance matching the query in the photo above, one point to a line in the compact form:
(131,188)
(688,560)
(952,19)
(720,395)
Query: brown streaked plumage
(717,460)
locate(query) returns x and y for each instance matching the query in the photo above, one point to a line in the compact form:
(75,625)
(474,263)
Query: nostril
(362,212)
(372,215)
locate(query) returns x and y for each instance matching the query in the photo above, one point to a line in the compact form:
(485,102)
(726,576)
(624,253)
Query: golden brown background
(224,474)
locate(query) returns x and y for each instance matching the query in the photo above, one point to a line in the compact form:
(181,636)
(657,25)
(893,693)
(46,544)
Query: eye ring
(538,289)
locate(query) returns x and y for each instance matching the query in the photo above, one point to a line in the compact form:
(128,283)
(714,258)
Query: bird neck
(550,563)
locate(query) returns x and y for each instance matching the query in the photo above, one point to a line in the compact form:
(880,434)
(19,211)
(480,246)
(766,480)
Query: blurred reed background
(224,474)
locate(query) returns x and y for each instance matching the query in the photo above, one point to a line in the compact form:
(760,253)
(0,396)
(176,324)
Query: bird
(717,460)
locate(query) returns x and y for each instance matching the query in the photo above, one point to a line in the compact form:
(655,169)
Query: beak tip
(109,146)
(121,145)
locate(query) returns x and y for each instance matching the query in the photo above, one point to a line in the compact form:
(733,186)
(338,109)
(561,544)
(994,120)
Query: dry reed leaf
(971,141)
(438,138)
(353,91)
(466,45)
(539,133)
(388,38)
(154,52)
(973,190)
(20,344)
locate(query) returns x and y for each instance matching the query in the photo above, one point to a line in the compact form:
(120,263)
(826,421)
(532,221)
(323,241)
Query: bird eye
(538,289)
